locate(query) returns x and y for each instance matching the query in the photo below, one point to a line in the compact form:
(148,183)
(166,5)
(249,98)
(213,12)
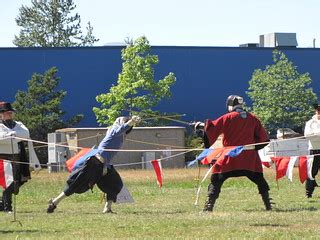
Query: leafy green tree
(128,40)
(136,91)
(39,107)
(280,94)
(50,23)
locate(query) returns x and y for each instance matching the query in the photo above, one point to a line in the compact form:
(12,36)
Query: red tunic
(237,131)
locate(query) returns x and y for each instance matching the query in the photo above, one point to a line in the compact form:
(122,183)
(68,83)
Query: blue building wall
(205,75)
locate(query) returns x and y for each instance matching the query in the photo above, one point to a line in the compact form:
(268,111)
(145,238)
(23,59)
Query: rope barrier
(116,165)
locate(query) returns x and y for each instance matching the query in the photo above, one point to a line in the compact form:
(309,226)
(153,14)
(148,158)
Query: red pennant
(217,154)
(305,168)
(158,169)
(281,166)
(266,164)
(303,173)
(266,161)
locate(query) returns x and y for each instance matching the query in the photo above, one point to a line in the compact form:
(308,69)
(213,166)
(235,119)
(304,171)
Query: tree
(136,91)
(49,23)
(39,107)
(280,94)
(128,41)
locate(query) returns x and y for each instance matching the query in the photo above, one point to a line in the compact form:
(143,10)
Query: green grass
(164,214)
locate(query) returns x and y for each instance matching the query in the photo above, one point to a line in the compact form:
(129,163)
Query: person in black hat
(13,150)
(312,133)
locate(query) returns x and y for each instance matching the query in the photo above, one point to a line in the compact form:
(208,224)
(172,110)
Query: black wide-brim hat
(6,107)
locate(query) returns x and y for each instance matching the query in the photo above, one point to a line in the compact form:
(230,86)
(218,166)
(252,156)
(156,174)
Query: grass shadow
(312,201)
(150,212)
(310,209)
(19,231)
(27,212)
(68,213)
(269,225)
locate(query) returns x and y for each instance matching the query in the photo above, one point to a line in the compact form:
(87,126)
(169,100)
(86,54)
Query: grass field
(164,214)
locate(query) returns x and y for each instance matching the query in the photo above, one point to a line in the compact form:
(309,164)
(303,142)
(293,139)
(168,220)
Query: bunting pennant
(305,168)
(291,165)
(235,152)
(284,166)
(281,166)
(6,175)
(201,156)
(220,153)
(267,164)
(71,162)
(158,169)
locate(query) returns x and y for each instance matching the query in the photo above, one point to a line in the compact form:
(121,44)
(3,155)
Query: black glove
(197,125)
(260,146)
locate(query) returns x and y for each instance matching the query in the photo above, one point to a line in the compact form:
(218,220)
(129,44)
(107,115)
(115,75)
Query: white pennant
(291,164)
(309,166)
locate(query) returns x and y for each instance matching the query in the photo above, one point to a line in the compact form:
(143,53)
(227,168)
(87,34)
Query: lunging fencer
(97,168)
(238,128)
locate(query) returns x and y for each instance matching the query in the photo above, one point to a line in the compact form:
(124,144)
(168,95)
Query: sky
(185,22)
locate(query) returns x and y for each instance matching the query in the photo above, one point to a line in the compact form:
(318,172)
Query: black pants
(311,184)
(111,184)
(85,177)
(217,180)
(7,198)
(15,186)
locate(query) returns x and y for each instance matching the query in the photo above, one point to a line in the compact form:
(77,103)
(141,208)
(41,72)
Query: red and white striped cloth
(158,169)
(284,166)
(305,168)
(6,175)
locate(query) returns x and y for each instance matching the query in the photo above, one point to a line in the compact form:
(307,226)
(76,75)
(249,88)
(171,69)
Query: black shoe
(207,210)
(110,211)
(267,201)
(310,186)
(7,208)
(208,206)
(51,207)
(268,207)
(309,193)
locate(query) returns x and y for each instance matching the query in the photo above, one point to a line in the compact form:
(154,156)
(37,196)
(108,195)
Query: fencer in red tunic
(238,128)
